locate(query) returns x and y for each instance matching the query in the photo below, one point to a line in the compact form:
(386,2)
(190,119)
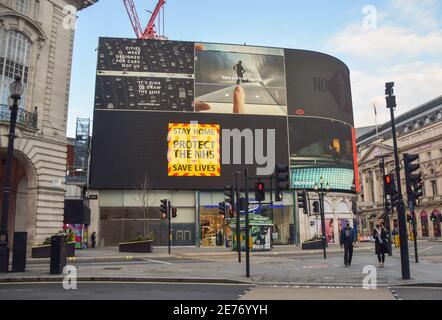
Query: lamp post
(16,92)
(321,192)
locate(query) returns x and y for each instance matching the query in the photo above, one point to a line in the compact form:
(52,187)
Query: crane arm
(150,33)
(133,16)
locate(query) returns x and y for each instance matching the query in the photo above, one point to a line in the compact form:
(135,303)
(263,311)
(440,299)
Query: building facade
(419,132)
(36,42)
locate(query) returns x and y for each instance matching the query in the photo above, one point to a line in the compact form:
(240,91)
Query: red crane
(149,32)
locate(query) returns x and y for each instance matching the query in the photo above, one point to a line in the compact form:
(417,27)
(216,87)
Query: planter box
(313,245)
(136,247)
(45,251)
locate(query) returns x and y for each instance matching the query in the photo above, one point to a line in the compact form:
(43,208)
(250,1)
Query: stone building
(36,42)
(419,132)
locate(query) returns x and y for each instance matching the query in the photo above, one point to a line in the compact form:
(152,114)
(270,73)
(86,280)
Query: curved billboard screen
(301,99)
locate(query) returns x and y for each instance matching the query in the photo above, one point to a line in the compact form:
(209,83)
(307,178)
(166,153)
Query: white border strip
(107,73)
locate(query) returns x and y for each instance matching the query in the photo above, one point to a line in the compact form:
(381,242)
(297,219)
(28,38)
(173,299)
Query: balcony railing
(24,118)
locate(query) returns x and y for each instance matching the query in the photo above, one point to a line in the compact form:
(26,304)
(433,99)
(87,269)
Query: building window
(22,6)
(429,155)
(434,187)
(15,51)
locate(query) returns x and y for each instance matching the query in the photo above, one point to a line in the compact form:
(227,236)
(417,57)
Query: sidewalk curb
(420,284)
(201,255)
(56,279)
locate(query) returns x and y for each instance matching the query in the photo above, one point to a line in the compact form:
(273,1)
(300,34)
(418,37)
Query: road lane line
(157,261)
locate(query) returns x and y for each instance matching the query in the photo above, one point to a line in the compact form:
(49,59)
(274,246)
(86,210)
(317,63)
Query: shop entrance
(213,229)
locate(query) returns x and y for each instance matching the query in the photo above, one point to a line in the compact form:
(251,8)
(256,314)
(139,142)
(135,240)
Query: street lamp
(322,192)
(16,89)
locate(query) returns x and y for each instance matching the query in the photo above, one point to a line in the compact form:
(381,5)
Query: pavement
(285,265)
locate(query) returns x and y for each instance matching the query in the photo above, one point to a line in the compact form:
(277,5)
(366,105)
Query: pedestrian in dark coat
(347,240)
(380,236)
(93,239)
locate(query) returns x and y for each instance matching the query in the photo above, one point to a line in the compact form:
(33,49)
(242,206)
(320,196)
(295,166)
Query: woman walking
(380,236)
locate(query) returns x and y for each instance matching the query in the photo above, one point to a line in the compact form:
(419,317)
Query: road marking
(420,251)
(157,261)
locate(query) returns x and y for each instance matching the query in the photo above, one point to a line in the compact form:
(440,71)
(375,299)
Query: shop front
(214,231)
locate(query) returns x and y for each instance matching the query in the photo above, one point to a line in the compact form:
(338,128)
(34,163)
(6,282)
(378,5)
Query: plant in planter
(140,244)
(44,250)
(314,243)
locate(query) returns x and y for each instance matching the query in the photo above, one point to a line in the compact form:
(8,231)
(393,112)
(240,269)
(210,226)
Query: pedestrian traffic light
(281,181)
(387,207)
(260,192)
(174,213)
(230,195)
(413,180)
(222,208)
(409,218)
(316,207)
(389,185)
(302,201)
(433,217)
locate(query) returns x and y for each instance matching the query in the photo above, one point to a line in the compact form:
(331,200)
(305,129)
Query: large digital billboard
(160,88)
(182,150)
(225,73)
(321,147)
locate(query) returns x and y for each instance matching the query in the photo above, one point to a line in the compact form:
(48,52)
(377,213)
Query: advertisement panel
(318,85)
(227,74)
(194,150)
(128,145)
(145,75)
(321,148)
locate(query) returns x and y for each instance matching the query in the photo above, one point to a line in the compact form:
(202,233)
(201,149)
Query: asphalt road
(220,292)
(417,293)
(122,291)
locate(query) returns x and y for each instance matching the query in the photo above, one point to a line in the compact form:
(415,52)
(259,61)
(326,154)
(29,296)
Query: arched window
(15,51)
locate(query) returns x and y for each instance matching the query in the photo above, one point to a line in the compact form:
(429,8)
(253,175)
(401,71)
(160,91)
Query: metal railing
(24,118)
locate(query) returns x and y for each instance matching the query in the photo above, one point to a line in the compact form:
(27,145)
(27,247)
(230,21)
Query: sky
(379,40)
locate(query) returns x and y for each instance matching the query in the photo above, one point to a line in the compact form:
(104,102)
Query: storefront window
(213,228)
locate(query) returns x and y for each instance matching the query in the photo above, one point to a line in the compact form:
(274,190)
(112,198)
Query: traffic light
(174,213)
(302,201)
(389,185)
(409,218)
(413,180)
(260,192)
(281,181)
(230,195)
(387,207)
(316,207)
(433,217)
(164,208)
(222,208)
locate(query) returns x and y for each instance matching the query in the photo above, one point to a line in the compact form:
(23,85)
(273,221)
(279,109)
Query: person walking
(93,239)
(347,240)
(239,72)
(380,237)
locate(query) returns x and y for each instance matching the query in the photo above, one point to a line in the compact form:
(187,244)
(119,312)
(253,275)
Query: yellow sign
(194,150)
